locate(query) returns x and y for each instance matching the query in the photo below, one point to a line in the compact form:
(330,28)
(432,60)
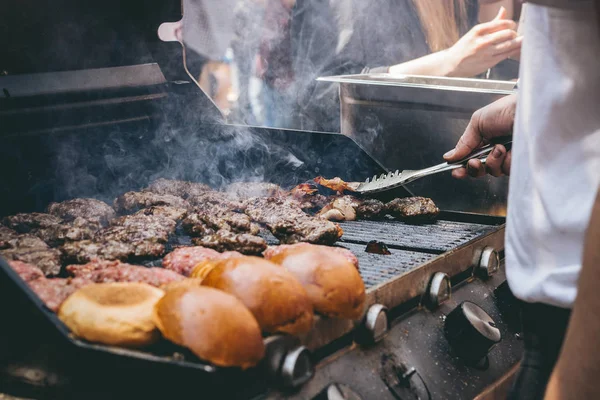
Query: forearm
(578,368)
(435,64)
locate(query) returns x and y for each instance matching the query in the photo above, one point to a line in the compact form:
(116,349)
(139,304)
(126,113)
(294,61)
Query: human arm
(494,120)
(578,367)
(481,48)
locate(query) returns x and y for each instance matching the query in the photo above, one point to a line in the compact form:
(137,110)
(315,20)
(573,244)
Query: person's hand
(493,120)
(484,46)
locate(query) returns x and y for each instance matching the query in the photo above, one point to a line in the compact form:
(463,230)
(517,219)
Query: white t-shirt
(555,172)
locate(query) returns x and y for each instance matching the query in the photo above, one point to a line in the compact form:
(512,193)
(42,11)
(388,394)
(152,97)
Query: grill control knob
(375,325)
(471,332)
(337,391)
(439,289)
(297,368)
(489,262)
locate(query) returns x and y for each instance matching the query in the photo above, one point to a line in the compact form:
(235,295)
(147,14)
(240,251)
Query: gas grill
(100,126)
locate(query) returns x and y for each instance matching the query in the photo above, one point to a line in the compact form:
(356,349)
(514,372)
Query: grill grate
(377,268)
(437,237)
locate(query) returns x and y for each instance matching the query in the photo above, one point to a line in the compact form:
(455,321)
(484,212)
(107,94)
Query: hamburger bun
(117,314)
(275,297)
(333,284)
(186,283)
(214,325)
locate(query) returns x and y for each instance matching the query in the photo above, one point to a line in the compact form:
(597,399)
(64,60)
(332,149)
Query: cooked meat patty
(173,213)
(216,198)
(224,240)
(102,272)
(210,218)
(6,234)
(412,208)
(289,223)
(272,251)
(183,189)
(86,250)
(244,190)
(184,259)
(138,227)
(89,209)
(350,208)
(308,197)
(52,229)
(27,272)
(33,250)
(134,201)
(27,222)
(53,292)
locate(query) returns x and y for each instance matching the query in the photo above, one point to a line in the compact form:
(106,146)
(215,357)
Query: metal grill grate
(437,237)
(377,268)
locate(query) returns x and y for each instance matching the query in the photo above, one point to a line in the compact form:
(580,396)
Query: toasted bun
(333,284)
(117,314)
(214,325)
(277,299)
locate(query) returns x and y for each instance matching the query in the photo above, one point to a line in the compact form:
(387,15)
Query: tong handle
(506,141)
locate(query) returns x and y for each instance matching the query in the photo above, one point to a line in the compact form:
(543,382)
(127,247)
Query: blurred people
(555,174)
(248,28)
(426,37)
(274,64)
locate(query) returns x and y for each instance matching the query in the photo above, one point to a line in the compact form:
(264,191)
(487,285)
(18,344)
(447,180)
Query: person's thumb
(502,13)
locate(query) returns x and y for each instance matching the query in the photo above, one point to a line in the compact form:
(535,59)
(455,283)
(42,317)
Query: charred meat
(52,229)
(183,189)
(86,250)
(88,209)
(172,213)
(308,197)
(336,184)
(134,201)
(210,218)
(32,250)
(350,208)
(288,223)
(224,240)
(216,198)
(6,234)
(376,247)
(184,259)
(26,223)
(412,208)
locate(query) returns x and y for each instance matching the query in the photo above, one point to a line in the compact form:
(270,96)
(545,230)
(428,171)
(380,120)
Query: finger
(501,14)
(468,142)
(499,37)
(475,168)
(494,162)
(459,173)
(495,25)
(506,163)
(511,46)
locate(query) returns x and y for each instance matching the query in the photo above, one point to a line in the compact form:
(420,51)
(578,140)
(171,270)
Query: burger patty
(214,198)
(288,223)
(88,209)
(32,250)
(412,208)
(184,259)
(53,292)
(102,272)
(52,229)
(27,272)
(244,190)
(172,213)
(6,234)
(211,218)
(134,201)
(225,240)
(350,208)
(183,189)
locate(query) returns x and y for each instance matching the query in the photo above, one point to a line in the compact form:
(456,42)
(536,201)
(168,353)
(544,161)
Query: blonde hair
(442,21)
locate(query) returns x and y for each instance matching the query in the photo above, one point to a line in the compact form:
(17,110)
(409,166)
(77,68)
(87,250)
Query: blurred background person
(420,37)
(274,64)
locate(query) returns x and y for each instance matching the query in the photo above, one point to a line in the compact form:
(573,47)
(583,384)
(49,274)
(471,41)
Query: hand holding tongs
(399,178)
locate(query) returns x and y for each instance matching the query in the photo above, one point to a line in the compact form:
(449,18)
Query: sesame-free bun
(333,284)
(214,325)
(275,297)
(117,314)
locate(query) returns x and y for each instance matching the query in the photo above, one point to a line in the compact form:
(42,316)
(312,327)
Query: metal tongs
(395,179)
